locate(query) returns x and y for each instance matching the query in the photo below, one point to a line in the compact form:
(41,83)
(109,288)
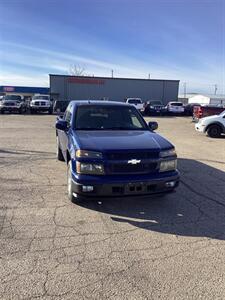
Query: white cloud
(23,80)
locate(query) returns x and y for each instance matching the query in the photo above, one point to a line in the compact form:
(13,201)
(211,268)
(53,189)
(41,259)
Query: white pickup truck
(137,102)
(40,103)
(213,126)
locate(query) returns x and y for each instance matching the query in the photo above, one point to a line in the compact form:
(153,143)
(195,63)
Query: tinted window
(134,101)
(97,117)
(176,104)
(12,97)
(41,97)
(68,115)
(155,103)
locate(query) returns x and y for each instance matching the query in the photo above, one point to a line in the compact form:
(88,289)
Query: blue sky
(170,39)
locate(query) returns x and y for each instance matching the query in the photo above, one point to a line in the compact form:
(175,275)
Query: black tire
(71,196)
(59,154)
(20,111)
(2,112)
(50,112)
(214,131)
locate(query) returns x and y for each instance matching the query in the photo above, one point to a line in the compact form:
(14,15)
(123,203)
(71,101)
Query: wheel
(214,131)
(59,154)
(20,111)
(50,112)
(2,112)
(71,197)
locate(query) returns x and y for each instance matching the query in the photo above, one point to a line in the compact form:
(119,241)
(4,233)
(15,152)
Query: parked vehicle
(154,107)
(111,151)
(189,108)
(60,106)
(214,126)
(174,107)
(40,103)
(12,103)
(137,102)
(205,111)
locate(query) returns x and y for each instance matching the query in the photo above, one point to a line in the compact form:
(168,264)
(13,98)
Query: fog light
(87,188)
(170,184)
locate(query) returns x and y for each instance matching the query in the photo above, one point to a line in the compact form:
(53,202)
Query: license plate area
(139,188)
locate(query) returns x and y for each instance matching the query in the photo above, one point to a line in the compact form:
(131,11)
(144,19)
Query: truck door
(63,135)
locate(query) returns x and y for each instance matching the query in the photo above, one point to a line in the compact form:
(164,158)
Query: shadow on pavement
(197,209)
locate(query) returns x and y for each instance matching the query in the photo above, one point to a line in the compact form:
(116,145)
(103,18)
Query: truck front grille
(9,104)
(126,168)
(132,155)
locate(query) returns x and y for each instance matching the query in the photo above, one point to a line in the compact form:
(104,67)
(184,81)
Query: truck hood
(120,140)
(10,101)
(214,117)
(41,100)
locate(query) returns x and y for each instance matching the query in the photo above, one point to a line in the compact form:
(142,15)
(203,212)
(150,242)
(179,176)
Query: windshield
(12,97)
(134,101)
(155,102)
(41,97)
(97,117)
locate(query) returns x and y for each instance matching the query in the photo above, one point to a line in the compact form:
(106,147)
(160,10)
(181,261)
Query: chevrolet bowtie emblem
(134,161)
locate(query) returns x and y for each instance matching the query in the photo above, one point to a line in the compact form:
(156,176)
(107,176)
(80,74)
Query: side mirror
(153,125)
(61,125)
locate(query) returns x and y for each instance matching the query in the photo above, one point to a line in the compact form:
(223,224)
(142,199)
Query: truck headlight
(168,165)
(167,153)
(88,154)
(87,168)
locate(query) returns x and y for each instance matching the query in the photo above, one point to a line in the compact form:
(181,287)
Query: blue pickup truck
(111,151)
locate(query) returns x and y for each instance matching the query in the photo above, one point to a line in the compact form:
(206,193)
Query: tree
(76,70)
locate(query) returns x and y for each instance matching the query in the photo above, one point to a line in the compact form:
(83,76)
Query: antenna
(216,88)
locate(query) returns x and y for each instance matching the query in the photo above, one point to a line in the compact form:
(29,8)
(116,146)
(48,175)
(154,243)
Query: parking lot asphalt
(142,248)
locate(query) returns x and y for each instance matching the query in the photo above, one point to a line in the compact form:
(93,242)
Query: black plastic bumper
(40,109)
(127,189)
(10,109)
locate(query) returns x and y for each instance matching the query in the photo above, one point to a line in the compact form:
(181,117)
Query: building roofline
(114,78)
(23,86)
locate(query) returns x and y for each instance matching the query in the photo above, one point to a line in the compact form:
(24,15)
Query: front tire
(214,131)
(70,186)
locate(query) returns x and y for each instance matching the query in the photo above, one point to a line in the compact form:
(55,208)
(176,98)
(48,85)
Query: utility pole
(185,89)
(112,73)
(149,77)
(216,88)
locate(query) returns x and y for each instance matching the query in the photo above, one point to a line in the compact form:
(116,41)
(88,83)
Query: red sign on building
(8,88)
(86,80)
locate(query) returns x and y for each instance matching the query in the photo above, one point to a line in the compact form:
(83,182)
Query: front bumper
(123,188)
(199,127)
(10,108)
(40,108)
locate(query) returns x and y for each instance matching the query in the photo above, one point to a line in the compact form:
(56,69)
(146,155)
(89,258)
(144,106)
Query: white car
(41,103)
(137,102)
(213,126)
(175,107)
